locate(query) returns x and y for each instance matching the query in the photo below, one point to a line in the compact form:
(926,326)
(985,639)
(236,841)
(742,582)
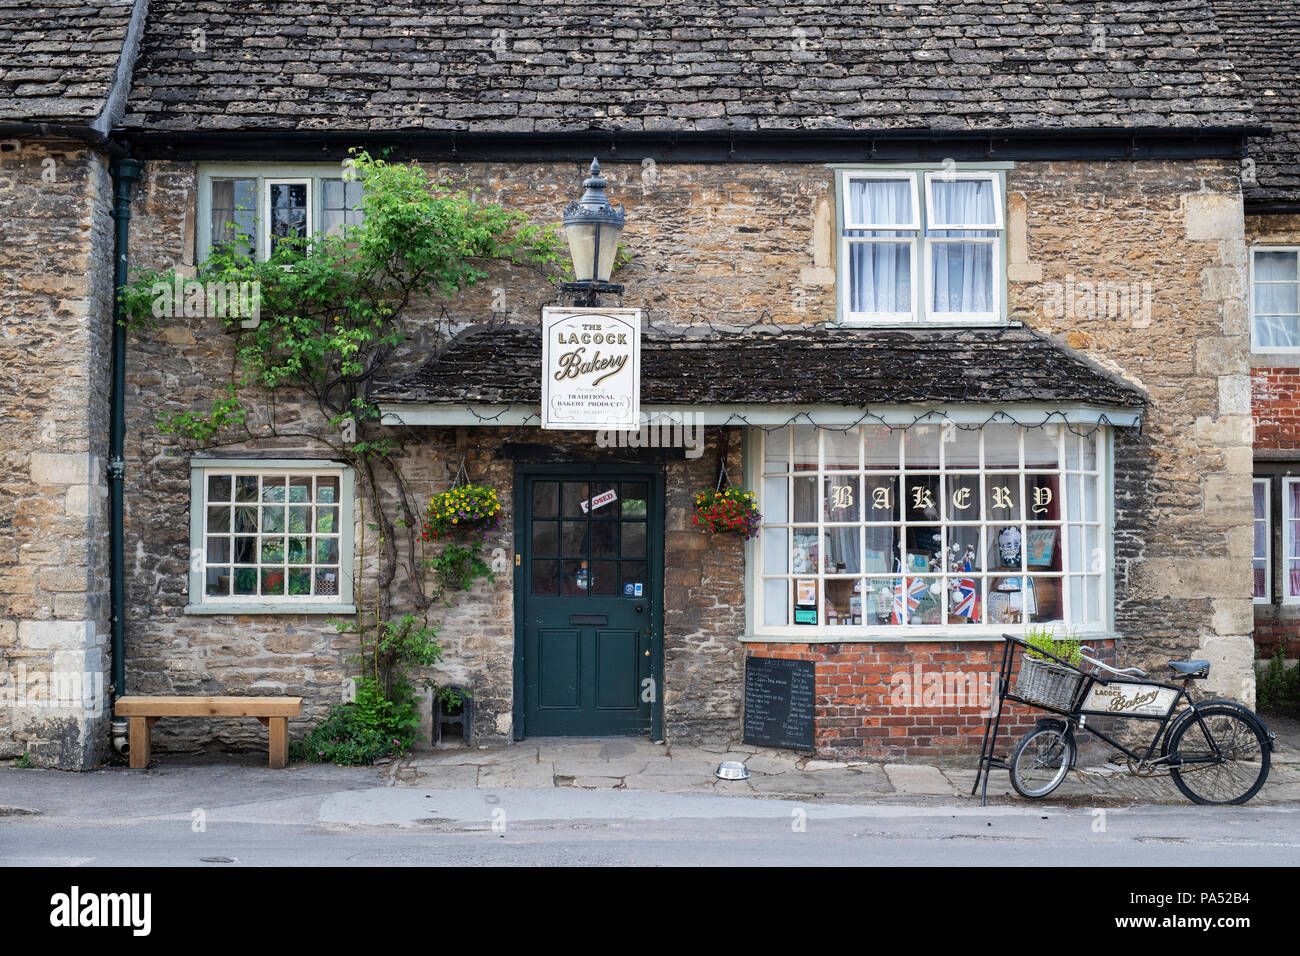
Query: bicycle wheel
(1229,770)
(1041,760)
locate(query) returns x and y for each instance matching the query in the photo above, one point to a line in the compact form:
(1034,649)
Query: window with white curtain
(1263,542)
(921,245)
(1290,556)
(1275,298)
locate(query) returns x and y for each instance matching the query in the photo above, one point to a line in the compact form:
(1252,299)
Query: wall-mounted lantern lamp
(593,228)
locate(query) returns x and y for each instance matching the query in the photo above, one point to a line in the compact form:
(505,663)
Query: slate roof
(540,65)
(1263,37)
(58,58)
(501,364)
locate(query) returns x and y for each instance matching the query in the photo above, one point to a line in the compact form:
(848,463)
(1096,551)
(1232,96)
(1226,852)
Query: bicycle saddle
(1193,669)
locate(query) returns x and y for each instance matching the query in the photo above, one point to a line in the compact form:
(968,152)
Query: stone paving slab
(918,779)
(629,764)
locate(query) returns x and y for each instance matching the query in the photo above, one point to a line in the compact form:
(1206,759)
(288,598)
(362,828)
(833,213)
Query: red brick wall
(1275,407)
(880,700)
(1270,633)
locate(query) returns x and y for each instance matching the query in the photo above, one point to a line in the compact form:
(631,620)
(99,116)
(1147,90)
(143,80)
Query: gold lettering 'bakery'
(572,365)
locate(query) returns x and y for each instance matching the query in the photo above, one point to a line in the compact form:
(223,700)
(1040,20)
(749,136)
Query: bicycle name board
(1130,699)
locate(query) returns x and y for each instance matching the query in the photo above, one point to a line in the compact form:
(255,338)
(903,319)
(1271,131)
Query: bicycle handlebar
(1123,672)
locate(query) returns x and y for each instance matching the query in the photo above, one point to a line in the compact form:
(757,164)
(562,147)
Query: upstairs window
(1275,298)
(921,246)
(254,208)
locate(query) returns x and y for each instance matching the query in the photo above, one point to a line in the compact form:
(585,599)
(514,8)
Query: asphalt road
(326,816)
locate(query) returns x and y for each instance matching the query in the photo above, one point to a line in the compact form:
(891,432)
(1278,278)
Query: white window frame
(1100,524)
(1286,557)
(920,242)
(959,175)
(314,174)
(1254,342)
(202,603)
(264,227)
(910,177)
(1267,519)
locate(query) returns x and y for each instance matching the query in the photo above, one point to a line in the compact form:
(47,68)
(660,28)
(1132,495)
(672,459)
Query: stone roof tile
(799,365)
(922,65)
(1263,39)
(58,58)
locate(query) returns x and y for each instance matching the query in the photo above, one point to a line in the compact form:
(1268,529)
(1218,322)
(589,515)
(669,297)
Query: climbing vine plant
(332,312)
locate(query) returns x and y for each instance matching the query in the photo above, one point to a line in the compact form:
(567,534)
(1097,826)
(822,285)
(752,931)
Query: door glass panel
(633,539)
(546,499)
(604,577)
(634,499)
(575,538)
(574,578)
(604,539)
(604,500)
(634,573)
(575,494)
(546,577)
(546,537)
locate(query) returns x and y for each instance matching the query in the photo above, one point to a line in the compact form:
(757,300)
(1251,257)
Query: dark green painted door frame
(554,613)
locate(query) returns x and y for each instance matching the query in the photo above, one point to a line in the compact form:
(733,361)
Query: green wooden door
(589,589)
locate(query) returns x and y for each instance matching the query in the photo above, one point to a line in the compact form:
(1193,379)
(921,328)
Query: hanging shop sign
(591,368)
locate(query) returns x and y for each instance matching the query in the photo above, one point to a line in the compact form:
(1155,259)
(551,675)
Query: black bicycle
(1216,751)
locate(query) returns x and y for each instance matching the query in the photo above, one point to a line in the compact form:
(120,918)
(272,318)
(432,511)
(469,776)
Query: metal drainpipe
(125,173)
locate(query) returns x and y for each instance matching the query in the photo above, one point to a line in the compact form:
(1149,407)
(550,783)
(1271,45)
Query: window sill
(944,636)
(917,324)
(340,610)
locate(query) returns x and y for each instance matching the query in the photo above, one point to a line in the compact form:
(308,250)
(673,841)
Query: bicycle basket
(1046,683)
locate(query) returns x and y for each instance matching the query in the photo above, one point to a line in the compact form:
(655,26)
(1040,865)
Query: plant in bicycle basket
(729,510)
(1066,648)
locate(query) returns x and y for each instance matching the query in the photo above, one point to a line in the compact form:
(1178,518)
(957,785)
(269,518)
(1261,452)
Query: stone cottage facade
(951,287)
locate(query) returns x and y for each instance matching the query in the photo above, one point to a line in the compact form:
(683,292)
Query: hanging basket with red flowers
(728,510)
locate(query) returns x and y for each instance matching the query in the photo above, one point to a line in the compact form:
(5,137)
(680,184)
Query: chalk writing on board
(779,702)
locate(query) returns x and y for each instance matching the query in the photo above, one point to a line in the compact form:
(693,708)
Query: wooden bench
(144,712)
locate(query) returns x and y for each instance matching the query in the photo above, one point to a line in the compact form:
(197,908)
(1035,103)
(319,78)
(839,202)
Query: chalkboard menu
(779,703)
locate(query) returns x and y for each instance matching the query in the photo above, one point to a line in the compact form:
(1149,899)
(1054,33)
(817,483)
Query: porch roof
(1012,365)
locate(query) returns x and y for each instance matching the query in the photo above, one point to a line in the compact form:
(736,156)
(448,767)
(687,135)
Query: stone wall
(1171,236)
(735,244)
(55,353)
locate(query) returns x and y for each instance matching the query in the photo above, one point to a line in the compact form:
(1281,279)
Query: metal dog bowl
(732,770)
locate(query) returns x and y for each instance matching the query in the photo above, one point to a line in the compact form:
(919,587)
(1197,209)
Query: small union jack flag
(899,614)
(966,594)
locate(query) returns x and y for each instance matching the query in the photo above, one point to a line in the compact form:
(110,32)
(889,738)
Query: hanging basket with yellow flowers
(463,511)
(728,510)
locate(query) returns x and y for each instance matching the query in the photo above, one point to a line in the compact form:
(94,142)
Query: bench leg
(139,743)
(279,728)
